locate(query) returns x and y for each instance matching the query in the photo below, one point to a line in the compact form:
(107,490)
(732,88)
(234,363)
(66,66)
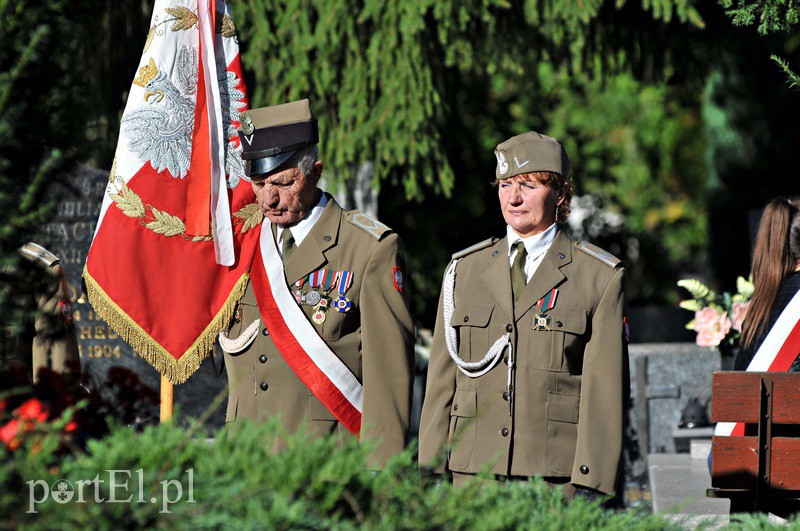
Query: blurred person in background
(776,276)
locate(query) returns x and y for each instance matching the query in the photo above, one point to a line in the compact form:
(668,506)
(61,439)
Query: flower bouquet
(717,317)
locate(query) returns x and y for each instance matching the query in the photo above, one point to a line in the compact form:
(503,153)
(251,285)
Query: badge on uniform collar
(541,321)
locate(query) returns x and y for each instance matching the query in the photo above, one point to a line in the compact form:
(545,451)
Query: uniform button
(455,407)
(265,332)
(466,318)
(495,253)
(505,395)
(504,432)
(509,328)
(561,256)
(262,358)
(584,469)
(559,324)
(505,360)
(264,386)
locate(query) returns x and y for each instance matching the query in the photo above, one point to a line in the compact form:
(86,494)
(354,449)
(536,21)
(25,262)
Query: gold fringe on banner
(176,371)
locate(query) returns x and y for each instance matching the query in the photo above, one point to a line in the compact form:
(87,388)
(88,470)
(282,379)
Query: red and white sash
(776,354)
(317,366)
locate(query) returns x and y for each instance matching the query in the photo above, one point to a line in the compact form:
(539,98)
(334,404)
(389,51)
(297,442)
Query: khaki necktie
(518,279)
(288,245)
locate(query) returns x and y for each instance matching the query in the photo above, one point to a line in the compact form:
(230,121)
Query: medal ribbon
(329,278)
(548,302)
(345,280)
(315,278)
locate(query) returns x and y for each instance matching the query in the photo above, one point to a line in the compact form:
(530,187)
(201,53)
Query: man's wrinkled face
(286,196)
(529,207)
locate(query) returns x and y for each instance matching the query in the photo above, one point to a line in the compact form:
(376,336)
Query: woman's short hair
(553,180)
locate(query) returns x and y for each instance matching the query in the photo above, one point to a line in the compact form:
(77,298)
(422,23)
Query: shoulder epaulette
(370,225)
(36,252)
(596,252)
(477,247)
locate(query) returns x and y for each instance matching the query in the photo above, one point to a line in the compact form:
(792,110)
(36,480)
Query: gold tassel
(176,371)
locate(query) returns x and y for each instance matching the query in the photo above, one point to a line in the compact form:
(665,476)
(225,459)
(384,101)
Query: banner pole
(167,399)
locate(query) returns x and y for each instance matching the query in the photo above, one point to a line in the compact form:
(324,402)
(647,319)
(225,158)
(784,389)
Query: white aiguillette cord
(477,368)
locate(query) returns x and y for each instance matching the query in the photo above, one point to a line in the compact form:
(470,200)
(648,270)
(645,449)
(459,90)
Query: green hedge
(236,484)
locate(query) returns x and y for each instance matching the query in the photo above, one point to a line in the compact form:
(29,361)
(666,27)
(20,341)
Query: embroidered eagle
(230,101)
(161,131)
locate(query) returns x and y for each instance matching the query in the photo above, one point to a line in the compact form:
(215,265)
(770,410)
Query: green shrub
(235,483)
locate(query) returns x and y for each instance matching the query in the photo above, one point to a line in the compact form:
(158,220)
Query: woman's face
(528,206)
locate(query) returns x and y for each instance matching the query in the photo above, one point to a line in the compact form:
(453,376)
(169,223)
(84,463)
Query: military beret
(271,135)
(530,152)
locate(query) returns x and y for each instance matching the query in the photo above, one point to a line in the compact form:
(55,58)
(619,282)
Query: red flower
(8,434)
(32,410)
(71,426)
(2,405)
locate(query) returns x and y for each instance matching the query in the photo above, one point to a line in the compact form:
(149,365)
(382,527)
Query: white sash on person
(776,354)
(317,366)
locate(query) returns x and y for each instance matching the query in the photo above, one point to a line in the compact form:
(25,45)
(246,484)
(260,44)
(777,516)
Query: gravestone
(68,236)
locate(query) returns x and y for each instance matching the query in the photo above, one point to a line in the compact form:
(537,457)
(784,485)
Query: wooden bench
(761,470)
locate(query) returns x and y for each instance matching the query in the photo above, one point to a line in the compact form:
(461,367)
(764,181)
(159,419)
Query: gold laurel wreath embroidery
(166,224)
(251,216)
(225,26)
(184,18)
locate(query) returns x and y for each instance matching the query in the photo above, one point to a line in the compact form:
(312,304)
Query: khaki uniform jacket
(48,339)
(569,383)
(374,339)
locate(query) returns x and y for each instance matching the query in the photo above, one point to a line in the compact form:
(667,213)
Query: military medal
(342,303)
(313,297)
(329,278)
(541,320)
(318,317)
(298,293)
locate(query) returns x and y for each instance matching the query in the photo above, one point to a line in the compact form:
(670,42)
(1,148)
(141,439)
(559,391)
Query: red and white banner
(173,241)
(776,354)
(317,366)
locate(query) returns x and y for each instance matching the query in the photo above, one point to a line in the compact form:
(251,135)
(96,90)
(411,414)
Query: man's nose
(270,198)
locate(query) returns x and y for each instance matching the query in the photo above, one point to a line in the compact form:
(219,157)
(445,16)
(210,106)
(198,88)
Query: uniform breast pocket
(471,322)
(568,331)
(338,324)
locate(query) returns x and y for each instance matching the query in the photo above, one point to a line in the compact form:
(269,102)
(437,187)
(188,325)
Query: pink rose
(711,327)
(738,312)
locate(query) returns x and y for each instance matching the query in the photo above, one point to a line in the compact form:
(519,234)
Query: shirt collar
(536,244)
(301,229)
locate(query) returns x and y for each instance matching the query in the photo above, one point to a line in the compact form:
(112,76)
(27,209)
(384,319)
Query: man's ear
(316,171)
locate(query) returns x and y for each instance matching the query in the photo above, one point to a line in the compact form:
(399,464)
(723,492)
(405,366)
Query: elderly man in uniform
(345,270)
(528,370)
(47,336)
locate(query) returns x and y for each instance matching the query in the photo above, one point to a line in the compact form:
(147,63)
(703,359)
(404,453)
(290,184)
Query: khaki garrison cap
(271,135)
(530,152)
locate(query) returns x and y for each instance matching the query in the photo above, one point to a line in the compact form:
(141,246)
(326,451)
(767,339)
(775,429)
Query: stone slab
(678,486)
